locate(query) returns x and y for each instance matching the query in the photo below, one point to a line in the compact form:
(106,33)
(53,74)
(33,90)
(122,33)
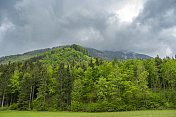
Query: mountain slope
(66,53)
(20,57)
(109,55)
(63,54)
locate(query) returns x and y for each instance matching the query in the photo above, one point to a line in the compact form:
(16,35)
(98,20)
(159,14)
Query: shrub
(77,106)
(13,106)
(3,108)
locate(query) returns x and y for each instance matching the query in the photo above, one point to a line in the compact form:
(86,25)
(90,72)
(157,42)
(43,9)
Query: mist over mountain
(121,55)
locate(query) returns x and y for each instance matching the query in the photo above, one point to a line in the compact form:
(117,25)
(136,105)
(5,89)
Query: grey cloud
(90,23)
(159,13)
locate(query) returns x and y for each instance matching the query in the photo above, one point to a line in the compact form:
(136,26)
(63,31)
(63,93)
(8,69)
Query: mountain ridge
(121,55)
(105,55)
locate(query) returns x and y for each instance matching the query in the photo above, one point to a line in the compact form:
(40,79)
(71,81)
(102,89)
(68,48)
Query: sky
(141,26)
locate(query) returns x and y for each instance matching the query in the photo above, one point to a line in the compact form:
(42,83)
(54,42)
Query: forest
(68,79)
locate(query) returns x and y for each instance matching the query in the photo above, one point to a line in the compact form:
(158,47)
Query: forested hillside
(66,54)
(105,55)
(50,55)
(21,57)
(68,79)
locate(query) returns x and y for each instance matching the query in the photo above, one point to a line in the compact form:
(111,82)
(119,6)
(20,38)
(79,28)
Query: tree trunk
(33,94)
(145,99)
(30,98)
(160,84)
(164,86)
(44,97)
(118,89)
(168,94)
(67,99)
(11,99)
(3,100)
(154,87)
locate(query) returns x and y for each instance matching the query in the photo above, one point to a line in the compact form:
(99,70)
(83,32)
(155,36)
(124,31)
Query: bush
(13,106)
(171,106)
(106,106)
(52,109)
(154,102)
(76,106)
(3,109)
(93,107)
(116,105)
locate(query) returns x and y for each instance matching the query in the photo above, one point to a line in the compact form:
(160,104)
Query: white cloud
(129,9)
(4,27)
(168,52)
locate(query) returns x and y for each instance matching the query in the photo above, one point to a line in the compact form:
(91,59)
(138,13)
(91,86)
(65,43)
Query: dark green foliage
(80,49)
(63,87)
(13,106)
(64,54)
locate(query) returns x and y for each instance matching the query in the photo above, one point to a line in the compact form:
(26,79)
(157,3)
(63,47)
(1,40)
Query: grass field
(157,113)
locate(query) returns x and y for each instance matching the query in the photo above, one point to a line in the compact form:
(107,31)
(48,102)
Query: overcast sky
(142,26)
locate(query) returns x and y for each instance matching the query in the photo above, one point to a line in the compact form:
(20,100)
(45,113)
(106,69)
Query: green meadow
(152,113)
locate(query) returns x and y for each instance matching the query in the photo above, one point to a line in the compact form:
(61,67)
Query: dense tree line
(91,86)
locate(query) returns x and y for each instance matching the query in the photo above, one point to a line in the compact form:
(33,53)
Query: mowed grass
(154,113)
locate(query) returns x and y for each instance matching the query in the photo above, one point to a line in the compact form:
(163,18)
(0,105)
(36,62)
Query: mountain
(121,55)
(21,57)
(70,52)
(63,54)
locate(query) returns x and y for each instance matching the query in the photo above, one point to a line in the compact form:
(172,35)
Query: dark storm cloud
(7,10)
(159,13)
(160,16)
(32,24)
